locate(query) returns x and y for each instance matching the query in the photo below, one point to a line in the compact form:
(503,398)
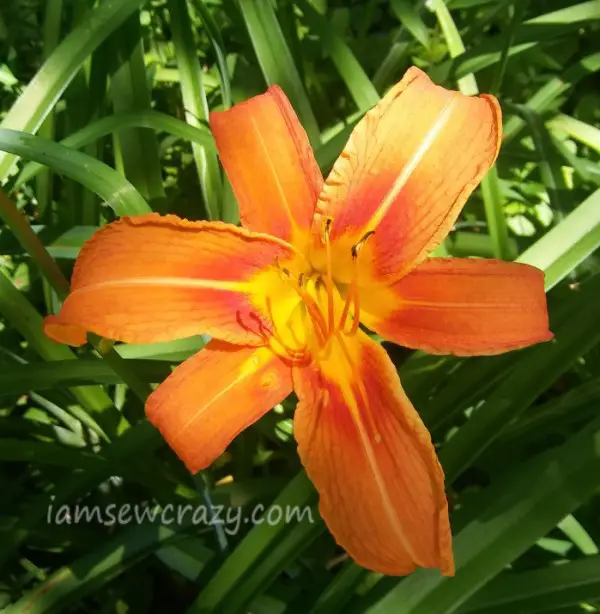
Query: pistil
(329,274)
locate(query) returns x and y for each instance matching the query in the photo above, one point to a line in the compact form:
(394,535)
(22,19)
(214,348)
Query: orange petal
(213,396)
(406,172)
(461,306)
(151,278)
(371,458)
(270,164)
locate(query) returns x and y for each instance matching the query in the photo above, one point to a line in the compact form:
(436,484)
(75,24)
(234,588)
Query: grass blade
(136,149)
(40,96)
(154,120)
(195,105)
(548,94)
(299,492)
(360,87)
(276,62)
(540,590)
(490,185)
(564,247)
(519,512)
(216,40)
(585,133)
(67,373)
(70,584)
(410,18)
(116,191)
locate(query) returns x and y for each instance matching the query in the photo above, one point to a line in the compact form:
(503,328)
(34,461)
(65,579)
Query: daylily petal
(405,173)
(151,278)
(461,306)
(269,163)
(371,458)
(213,396)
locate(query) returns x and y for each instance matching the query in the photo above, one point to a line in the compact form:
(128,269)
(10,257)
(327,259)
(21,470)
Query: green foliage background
(102,108)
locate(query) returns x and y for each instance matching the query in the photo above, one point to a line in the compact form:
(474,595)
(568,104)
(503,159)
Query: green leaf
(212,30)
(564,247)
(585,133)
(556,87)
(528,35)
(259,542)
(340,590)
(466,84)
(70,584)
(518,512)
(42,92)
(52,33)
(23,317)
(20,379)
(534,371)
(19,225)
(276,60)
(113,123)
(490,185)
(267,569)
(16,450)
(539,590)
(360,87)
(123,450)
(410,18)
(568,408)
(549,160)
(388,69)
(493,203)
(136,150)
(116,191)
(195,105)
(573,529)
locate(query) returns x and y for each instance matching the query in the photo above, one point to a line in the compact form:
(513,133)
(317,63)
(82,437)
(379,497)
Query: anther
(326,229)
(352,296)
(329,278)
(358,246)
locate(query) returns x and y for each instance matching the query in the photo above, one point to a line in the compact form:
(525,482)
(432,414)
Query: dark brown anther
(356,248)
(326,229)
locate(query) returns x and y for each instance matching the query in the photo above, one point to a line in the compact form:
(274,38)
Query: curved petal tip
(63,332)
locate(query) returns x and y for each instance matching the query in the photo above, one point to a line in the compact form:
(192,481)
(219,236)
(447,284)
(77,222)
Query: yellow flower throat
(319,308)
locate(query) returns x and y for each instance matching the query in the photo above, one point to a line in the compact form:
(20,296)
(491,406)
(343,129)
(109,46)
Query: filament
(329,277)
(353,295)
(315,315)
(325,327)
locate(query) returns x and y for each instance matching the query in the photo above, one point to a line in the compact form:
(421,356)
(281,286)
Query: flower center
(330,310)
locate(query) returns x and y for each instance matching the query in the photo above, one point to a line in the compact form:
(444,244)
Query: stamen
(296,355)
(329,276)
(271,334)
(356,248)
(356,311)
(352,296)
(314,312)
(347,303)
(283,269)
(312,307)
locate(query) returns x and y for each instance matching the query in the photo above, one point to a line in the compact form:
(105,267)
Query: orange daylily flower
(283,297)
